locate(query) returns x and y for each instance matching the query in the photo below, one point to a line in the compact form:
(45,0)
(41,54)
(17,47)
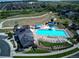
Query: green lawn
(48,44)
(51,56)
(36,51)
(27,12)
(29,15)
(5,30)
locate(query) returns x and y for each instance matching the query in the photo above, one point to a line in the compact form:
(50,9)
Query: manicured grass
(48,44)
(5,30)
(51,56)
(29,15)
(27,12)
(37,51)
(61,26)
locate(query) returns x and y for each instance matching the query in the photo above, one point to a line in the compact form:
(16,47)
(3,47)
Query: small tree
(66,23)
(10,35)
(34,47)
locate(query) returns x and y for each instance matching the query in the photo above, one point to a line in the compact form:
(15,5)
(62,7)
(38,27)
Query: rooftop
(25,36)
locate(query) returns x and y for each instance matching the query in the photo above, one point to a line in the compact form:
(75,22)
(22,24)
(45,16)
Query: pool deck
(48,39)
(57,39)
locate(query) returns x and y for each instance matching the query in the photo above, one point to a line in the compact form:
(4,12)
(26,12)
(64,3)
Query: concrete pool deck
(50,39)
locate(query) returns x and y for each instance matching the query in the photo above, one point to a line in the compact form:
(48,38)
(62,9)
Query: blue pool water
(46,32)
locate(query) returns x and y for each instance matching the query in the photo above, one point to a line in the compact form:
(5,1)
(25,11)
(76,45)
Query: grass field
(25,15)
(48,44)
(6,30)
(29,15)
(38,50)
(27,21)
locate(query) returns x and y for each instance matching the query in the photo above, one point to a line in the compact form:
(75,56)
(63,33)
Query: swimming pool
(53,33)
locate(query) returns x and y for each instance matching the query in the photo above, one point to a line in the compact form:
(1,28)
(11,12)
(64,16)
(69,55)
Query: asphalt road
(74,56)
(4,48)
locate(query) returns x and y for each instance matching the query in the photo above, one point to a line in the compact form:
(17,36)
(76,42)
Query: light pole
(50,15)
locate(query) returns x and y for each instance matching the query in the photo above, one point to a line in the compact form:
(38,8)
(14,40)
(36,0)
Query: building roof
(25,36)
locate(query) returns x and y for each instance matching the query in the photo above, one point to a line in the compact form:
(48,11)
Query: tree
(66,23)
(51,8)
(10,35)
(34,47)
(3,14)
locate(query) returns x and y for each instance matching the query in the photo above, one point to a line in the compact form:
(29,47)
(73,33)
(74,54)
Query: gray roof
(25,36)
